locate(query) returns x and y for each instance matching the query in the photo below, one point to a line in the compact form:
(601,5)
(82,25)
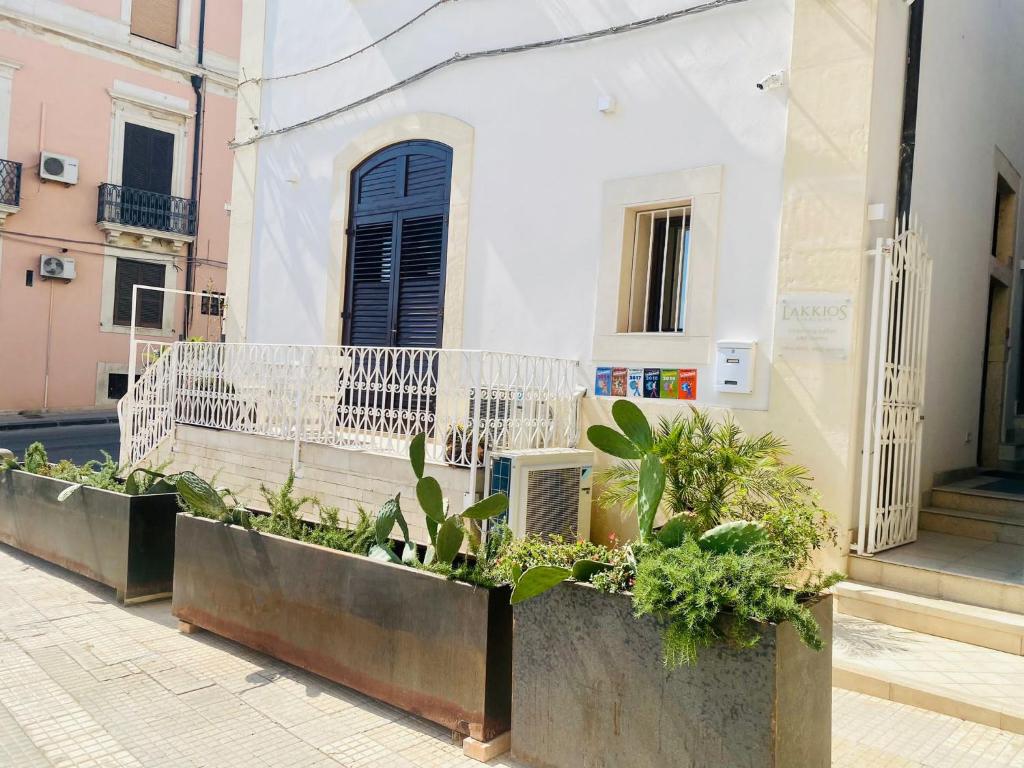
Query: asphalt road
(78,443)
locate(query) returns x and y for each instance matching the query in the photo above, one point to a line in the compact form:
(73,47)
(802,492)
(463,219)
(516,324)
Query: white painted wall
(686,99)
(971,101)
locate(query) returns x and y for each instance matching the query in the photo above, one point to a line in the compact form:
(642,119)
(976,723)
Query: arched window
(397,239)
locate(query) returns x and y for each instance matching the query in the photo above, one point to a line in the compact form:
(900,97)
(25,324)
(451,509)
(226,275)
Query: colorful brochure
(652,382)
(635,382)
(620,382)
(669,384)
(687,383)
(603,382)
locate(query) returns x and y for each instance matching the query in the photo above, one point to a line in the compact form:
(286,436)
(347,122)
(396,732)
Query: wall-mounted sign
(814,324)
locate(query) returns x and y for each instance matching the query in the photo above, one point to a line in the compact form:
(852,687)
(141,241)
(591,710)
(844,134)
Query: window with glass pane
(657,289)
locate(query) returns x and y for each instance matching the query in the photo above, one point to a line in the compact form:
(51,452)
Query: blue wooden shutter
(397,242)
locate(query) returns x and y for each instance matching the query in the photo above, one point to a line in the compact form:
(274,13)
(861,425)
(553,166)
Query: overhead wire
(457,58)
(347,56)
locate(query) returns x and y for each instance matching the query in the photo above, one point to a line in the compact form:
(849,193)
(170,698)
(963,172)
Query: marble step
(984,627)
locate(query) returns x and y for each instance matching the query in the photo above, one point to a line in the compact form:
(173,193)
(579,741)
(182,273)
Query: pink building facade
(115,170)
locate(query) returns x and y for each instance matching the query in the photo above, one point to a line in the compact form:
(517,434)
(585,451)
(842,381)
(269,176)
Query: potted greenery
(705,642)
(119,532)
(414,624)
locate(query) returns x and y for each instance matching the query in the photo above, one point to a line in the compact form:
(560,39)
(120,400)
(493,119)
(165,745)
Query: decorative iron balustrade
(10,183)
(373,398)
(147,210)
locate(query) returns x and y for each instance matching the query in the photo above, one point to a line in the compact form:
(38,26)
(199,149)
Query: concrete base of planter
(125,542)
(590,688)
(436,648)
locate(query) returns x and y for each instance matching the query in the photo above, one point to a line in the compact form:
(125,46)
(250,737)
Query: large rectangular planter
(125,542)
(436,648)
(590,689)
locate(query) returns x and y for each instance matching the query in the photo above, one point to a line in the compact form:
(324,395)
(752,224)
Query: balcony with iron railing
(10,188)
(147,216)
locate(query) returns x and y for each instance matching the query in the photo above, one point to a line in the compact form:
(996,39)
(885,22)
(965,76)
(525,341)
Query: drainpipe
(908,133)
(198,84)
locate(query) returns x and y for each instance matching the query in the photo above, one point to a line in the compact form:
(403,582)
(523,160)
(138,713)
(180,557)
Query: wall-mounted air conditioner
(54,167)
(57,267)
(549,490)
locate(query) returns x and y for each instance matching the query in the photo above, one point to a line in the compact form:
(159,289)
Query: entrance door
(1000,396)
(394,292)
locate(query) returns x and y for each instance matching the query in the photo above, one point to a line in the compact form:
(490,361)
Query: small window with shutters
(150,307)
(156,20)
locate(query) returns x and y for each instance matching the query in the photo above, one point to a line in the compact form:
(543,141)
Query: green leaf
(385,522)
(131,485)
(633,423)
(611,442)
(418,453)
(163,485)
(584,570)
(410,555)
(449,540)
(652,486)
(517,572)
(487,508)
(675,531)
(68,492)
(737,536)
(384,554)
(431,499)
(537,580)
(432,526)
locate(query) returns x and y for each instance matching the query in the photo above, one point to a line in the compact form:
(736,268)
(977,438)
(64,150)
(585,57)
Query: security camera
(774,80)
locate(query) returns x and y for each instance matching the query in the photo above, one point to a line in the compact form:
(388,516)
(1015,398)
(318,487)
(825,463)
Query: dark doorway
(147,169)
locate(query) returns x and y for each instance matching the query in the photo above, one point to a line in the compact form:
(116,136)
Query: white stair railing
(145,413)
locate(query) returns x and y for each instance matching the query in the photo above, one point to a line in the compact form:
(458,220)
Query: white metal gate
(893,418)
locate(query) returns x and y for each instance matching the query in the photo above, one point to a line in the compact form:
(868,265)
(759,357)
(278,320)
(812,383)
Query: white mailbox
(734,367)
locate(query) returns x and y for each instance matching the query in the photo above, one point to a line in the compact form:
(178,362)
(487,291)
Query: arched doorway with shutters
(397,244)
(395,285)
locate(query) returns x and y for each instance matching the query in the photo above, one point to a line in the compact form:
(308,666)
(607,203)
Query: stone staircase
(939,623)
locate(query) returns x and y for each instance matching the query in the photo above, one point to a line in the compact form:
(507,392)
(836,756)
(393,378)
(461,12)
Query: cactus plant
(447,532)
(635,441)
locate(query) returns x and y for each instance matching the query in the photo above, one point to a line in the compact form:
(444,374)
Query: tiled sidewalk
(86,683)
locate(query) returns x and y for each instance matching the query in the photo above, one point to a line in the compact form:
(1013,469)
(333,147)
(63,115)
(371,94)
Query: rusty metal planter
(125,542)
(436,648)
(590,689)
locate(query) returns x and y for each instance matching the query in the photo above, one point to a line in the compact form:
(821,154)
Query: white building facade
(639,186)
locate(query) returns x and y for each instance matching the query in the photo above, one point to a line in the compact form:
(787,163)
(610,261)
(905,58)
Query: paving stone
(85,683)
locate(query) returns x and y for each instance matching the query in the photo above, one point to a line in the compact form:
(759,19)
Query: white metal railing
(371,398)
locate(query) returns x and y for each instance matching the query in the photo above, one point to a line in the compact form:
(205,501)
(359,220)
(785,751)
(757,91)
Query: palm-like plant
(714,472)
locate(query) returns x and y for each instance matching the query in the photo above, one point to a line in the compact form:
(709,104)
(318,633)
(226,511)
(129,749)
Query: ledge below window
(151,239)
(7,210)
(652,349)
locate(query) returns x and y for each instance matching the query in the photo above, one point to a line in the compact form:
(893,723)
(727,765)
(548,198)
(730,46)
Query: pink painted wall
(60,102)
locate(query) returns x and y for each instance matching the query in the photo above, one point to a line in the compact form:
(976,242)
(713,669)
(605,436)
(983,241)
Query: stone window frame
(623,199)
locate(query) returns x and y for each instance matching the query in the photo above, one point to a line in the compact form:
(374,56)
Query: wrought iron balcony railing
(10,183)
(147,210)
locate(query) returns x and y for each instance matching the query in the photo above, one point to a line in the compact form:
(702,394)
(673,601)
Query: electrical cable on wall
(30,237)
(492,53)
(348,56)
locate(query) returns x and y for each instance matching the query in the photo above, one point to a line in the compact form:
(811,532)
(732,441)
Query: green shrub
(705,597)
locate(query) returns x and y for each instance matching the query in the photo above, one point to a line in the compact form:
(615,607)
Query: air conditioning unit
(57,267)
(54,167)
(549,490)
